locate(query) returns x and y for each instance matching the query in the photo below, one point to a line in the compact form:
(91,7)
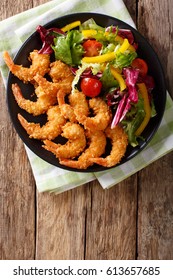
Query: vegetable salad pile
(106,64)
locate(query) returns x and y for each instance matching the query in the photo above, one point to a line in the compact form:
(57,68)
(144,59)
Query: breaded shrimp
(61,73)
(102,115)
(48,87)
(51,88)
(119,142)
(40,65)
(73,147)
(66,109)
(77,104)
(50,130)
(40,106)
(96,147)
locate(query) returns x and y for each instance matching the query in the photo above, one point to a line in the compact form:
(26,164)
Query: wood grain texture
(17,194)
(129,221)
(17,188)
(61,225)
(155,206)
(156,24)
(155,212)
(111,221)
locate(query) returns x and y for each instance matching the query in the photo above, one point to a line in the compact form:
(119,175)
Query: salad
(105,63)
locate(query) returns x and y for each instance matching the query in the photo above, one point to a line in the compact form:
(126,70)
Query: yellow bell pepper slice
(121,40)
(147,108)
(99,58)
(119,78)
(89,33)
(71,26)
(124,46)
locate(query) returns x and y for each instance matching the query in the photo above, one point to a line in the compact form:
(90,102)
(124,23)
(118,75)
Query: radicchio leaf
(131,76)
(119,111)
(149,82)
(124,33)
(47,36)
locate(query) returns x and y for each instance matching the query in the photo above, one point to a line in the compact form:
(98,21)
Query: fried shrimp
(61,74)
(50,130)
(51,88)
(66,110)
(96,147)
(119,142)
(40,64)
(48,87)
(73,147)
(102,115)
(40,106)
(77,104)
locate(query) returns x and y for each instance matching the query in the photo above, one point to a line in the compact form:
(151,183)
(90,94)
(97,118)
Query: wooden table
(133,220)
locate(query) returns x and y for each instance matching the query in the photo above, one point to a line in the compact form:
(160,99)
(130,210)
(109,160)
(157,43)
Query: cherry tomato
(92,47)
(140,64)
(91,87)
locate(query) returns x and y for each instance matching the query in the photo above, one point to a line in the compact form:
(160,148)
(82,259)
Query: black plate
(144,51)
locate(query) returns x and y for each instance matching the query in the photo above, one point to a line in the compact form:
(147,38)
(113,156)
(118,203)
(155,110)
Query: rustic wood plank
(111,221)
(61,225)
(155,213)
(8,9)
(155,23)
(39,2)
(17,190)
(155,220)
(17,194)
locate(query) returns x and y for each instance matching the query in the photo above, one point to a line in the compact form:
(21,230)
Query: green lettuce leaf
(108,80)
(90,24)
(124,59)
(133,120)
(68,48)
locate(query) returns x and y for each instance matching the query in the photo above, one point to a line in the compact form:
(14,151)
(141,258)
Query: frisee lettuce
(124,59)
(90,24)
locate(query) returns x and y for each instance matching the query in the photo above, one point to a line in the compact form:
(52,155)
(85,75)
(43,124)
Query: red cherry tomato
(92,47)
(140,64)
(91,87)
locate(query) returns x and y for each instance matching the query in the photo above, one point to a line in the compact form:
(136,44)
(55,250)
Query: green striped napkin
(13,33)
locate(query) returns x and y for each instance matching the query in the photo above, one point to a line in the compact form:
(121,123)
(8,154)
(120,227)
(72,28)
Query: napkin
(14,31)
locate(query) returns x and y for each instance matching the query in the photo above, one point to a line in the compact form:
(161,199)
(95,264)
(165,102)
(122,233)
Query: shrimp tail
(17,92)
(100,161)
(29,127)
(119,144)
(73,147)
(39,64)
(72,163)
(8,60)
(50,146)
(50,130)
